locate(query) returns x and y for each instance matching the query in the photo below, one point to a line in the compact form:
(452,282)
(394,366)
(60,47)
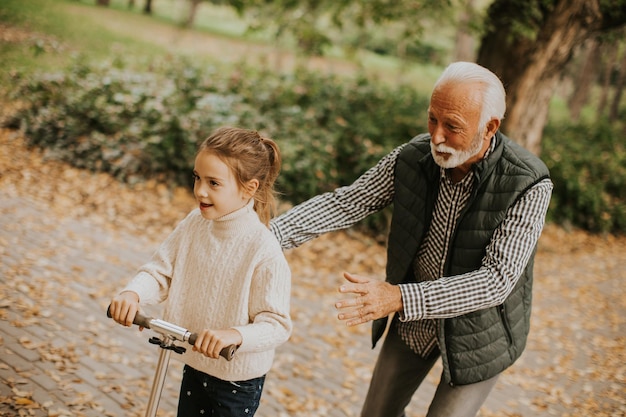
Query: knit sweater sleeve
(269,304)
(153,279)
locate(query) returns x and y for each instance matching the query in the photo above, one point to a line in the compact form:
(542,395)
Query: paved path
(58,347)
(61,356)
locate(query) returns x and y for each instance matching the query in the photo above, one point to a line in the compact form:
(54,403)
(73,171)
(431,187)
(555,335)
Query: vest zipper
(448,361)
(505,324)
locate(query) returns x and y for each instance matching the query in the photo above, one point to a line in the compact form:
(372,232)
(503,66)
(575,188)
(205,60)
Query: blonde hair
(249,156)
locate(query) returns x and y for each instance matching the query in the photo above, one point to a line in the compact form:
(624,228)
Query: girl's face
(216,188)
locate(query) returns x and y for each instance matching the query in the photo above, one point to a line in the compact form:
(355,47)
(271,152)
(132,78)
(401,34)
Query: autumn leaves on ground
(575,363)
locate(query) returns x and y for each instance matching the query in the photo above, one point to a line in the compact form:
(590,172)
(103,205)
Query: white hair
(494,96)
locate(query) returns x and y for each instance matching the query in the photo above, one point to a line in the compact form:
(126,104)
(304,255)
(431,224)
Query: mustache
(442,148)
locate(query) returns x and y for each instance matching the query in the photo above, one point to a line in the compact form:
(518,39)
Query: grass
(214,19)
(61,30)
(46,35)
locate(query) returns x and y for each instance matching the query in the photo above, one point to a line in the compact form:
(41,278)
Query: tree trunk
(464,42)
(193,9)
(609,52)
(147,7)
(530,70)
(104,3)
(586,80)
(619,89)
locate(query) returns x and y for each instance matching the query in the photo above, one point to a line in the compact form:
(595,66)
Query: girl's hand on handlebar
(124,307)
(211,342)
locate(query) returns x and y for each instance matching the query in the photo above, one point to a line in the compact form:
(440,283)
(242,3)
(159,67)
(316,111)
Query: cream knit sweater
(221,274)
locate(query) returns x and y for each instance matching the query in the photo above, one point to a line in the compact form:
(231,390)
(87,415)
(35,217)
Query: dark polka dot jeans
(205,395)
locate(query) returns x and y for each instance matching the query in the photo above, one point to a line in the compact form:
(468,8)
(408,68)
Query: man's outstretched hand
(374,299)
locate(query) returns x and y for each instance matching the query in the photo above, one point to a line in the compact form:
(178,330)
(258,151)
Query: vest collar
(483,168)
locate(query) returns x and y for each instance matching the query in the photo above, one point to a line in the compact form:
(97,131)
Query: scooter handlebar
(173,331)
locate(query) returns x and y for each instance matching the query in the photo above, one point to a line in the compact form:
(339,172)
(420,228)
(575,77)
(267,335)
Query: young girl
(224,275)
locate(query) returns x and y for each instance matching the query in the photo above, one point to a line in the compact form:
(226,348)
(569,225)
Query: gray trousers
(398,374)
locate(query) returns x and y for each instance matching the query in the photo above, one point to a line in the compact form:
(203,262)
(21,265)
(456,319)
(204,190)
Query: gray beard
(456,157)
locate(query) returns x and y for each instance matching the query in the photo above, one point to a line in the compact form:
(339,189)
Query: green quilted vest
(478,345)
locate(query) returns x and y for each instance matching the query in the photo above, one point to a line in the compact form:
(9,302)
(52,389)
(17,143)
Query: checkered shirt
(435,296)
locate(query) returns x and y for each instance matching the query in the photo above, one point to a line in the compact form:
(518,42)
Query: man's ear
(491,128)
(251,187)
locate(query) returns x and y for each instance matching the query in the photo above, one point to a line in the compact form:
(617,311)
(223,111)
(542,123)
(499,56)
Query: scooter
(169,333)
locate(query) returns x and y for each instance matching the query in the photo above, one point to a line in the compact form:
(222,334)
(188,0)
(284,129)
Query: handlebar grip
(139,320)
(227,353)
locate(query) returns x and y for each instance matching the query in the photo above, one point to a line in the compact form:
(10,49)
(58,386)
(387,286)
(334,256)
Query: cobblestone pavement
(61,356)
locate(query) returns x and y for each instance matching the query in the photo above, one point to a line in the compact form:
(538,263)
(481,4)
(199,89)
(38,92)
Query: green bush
(140,124)
(587,163)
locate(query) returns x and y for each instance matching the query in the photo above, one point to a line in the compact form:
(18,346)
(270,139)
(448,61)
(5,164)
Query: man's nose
(437,136)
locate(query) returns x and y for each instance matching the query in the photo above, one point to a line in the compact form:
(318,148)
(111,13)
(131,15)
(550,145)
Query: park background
(102,107)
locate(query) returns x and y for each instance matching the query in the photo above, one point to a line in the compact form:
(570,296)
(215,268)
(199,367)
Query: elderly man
(469,205)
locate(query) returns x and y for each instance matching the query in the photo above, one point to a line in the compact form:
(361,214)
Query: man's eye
(214,183)
(195,177)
